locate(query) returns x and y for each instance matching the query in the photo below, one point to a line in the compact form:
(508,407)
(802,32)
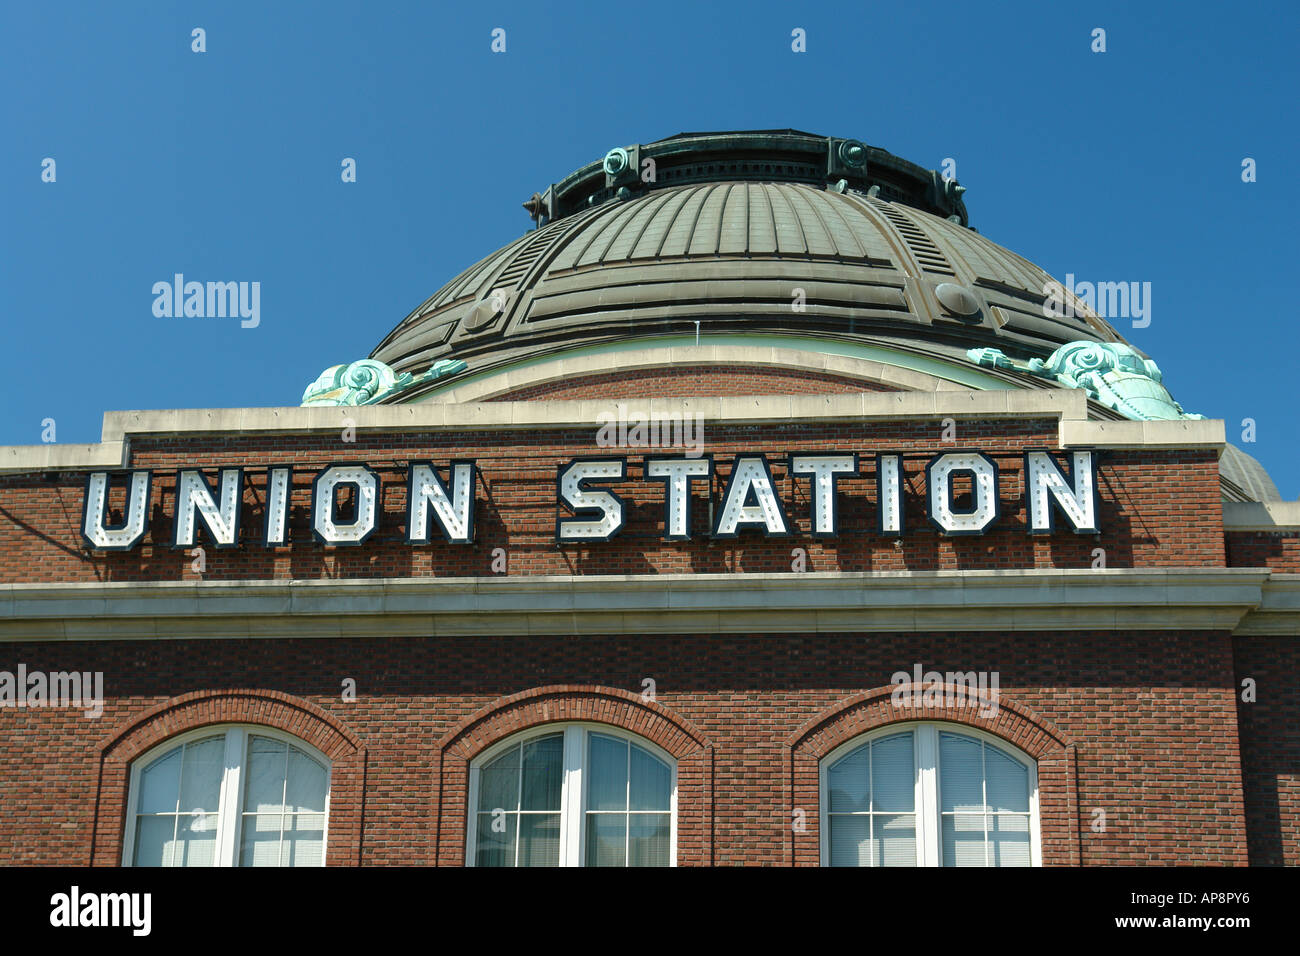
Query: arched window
(929,794)
(573,795)
(230,795)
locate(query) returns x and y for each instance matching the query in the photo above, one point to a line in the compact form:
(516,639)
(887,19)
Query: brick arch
(284,712)
(564,703)
(1053,751)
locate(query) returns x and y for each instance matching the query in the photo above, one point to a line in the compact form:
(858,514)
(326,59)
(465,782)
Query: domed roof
(768,231)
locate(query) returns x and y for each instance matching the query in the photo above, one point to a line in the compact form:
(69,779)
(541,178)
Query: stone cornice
(1068,407)
(1283,516)
(1243,601)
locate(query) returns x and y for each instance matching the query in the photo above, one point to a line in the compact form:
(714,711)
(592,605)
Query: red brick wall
(1274,550)
(1159,509)
(1270,746)
(1140,725)
(688,381)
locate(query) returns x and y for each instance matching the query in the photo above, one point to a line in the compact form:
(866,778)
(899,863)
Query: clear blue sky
(1124,165)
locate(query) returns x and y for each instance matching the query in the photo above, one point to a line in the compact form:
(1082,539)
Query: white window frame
(925,769)
(230,809)
(573,794)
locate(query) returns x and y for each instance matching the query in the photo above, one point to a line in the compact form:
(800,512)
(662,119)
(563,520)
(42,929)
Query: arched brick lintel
(284,712)
(1053,751)
(563,703)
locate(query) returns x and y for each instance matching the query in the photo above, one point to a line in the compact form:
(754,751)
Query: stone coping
(1069,407)
(1240,600)
(1281,516)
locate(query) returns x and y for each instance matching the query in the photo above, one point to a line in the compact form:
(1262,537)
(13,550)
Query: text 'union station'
(940,576)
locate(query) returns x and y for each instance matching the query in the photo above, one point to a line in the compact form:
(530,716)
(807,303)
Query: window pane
(607,773)
(205,760)
(895,840)
(153,840)
(648,838)
(849,840)
(259,844)
(849,782)
(264,790)
(160,785)
(1008,782)
(539,839)
(304,840)
(543,771)
(495,845)
(1009,838)
(652,782)
(963,839)
(606,837)
(893,774)
(308,782)
(196,840)
(498,783)
(961,774)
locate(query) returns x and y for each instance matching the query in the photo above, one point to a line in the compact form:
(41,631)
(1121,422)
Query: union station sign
(588,508)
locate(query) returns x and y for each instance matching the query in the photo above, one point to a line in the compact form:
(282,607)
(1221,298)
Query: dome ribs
(814,230)
(652,239)
(836,209)
(733,224)
(607,233)
(631,228)
(708,223)
(790,237)
(654,205)
(762,221)
(726,244)
(677,236)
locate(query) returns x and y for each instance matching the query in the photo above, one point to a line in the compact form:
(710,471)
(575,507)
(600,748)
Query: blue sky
(1115,166)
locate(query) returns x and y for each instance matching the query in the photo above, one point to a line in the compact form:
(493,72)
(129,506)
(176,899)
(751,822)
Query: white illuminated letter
(1044,484)
(278,485)
(195,503)
(324,521)
(134,522)
(454,513)
(570,484)
(889,492)
(750,477)
(984,492)
(676,474)
(825,470)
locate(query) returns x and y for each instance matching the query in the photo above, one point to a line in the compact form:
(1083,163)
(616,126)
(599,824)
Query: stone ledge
(1261,516)
(1067,406)
(1155,599)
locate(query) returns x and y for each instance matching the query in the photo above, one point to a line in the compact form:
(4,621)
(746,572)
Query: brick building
(751,509)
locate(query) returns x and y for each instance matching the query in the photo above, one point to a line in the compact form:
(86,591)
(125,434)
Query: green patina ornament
(368,382)
(1112,373)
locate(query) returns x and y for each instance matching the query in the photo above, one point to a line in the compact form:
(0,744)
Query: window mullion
(929,821)
(519,803)
(230,805)
(571,806)
(984,796)
(176,816)
(284,806)
(871,803)
(627,809)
